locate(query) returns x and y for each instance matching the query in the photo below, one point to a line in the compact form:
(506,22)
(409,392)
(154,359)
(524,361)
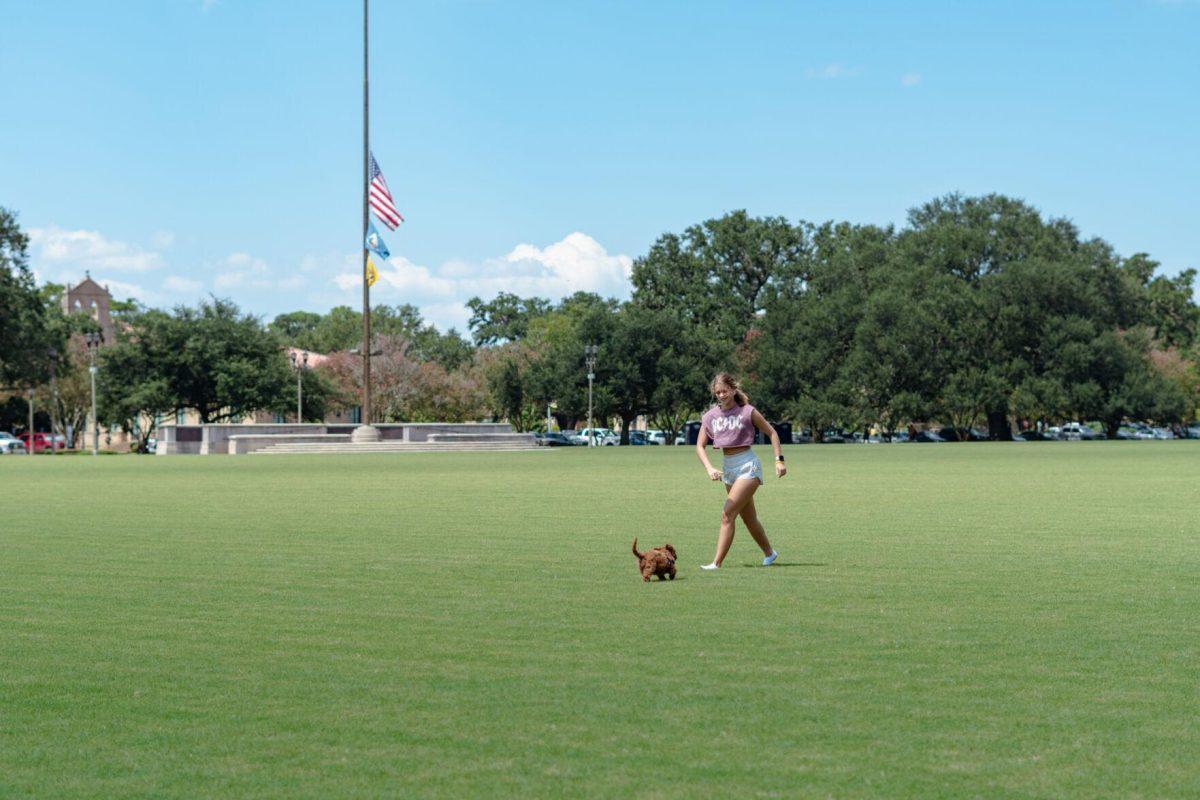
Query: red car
(42,442)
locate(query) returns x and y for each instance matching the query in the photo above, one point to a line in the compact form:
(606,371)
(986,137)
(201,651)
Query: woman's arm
(702,454)
(761,423)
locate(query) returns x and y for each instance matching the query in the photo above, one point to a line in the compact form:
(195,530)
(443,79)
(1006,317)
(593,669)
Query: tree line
(979,310)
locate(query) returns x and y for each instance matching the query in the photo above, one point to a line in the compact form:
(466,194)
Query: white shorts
(742,465)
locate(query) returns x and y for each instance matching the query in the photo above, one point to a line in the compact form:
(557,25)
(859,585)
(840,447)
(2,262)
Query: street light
(32,450)
(589,353)
(53,356)
(299,364)
(94,339)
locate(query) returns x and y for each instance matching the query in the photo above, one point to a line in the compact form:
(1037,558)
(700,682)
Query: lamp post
(589,352)
(53,356)
(299,363)
(31,437)
(94,339)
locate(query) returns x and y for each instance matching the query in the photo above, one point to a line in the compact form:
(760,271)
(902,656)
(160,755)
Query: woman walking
(730,425)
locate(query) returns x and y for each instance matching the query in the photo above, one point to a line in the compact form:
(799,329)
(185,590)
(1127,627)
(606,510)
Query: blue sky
(177,148)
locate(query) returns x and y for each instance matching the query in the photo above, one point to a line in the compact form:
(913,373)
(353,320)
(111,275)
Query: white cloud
(242,269)
(182,285)
(120,290)
(447,315)
(577,263)
(82,250)
(162,239)
(910,79)
(832,72)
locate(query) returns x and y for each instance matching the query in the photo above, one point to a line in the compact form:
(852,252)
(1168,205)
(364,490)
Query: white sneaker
(711,566)
(769,560)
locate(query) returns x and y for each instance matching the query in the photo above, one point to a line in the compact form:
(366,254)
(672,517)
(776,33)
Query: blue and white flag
(375,242)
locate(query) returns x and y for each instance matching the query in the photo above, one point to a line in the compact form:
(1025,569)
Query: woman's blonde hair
(739,396)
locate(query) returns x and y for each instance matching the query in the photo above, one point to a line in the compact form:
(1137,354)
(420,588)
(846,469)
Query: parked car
(554,439)
(42,442)
(1142,431)
(900,436)
(638,438)
(656,437)
(11,445)
(952,434)
(603,436)
(1078,431)
(1163,433)
(1032,435)
(572,436)
(927,436)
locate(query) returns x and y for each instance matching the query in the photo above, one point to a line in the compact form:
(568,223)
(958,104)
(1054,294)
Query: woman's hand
(780,469)
(714,474)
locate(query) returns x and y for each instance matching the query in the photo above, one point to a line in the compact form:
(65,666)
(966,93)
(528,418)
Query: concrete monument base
(365,434)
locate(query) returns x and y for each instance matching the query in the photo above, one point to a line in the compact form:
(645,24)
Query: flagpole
(365,432)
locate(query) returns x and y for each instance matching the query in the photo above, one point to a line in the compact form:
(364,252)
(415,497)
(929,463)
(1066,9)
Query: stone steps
(397,447)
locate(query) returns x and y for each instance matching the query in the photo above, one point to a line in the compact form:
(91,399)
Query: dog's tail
(635,552)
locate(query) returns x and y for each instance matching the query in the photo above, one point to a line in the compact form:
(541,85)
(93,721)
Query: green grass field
(988,620)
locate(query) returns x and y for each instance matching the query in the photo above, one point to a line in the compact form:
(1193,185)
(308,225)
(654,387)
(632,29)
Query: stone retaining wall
(218,438)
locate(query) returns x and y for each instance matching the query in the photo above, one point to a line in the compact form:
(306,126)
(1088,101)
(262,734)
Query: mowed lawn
(957,620)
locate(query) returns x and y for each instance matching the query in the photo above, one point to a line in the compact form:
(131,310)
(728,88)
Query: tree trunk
(998,428)
(626,421)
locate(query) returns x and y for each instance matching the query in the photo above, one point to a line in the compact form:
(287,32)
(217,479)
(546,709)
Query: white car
(10,445)
(656,437)
(1077,430)
(603,436)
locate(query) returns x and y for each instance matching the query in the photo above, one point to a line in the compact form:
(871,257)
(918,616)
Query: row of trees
(978,310)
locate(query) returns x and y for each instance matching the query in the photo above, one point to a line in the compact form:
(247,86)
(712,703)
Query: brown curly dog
(658,561)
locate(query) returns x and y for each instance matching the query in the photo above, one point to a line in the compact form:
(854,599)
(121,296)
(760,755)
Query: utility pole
(31,444)
(590,352)
(53,354)
(299,364)
(94,339)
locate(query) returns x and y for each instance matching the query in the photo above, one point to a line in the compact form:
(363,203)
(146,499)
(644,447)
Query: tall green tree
(718,274)
(505,318)
(24,335)
(213,358)
(808,328)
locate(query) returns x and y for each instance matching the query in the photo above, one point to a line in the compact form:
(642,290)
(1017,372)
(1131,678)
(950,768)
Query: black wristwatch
(779,458)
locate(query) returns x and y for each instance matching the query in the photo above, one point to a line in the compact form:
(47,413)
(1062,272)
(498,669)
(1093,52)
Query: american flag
(381,199)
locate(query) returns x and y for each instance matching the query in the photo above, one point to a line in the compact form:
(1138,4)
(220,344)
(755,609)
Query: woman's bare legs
(740,493)
(750,517)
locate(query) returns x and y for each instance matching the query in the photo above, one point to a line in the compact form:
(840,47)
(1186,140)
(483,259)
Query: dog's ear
(671,547)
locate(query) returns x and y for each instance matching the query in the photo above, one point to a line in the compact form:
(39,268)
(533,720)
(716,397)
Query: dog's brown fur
(658,561)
